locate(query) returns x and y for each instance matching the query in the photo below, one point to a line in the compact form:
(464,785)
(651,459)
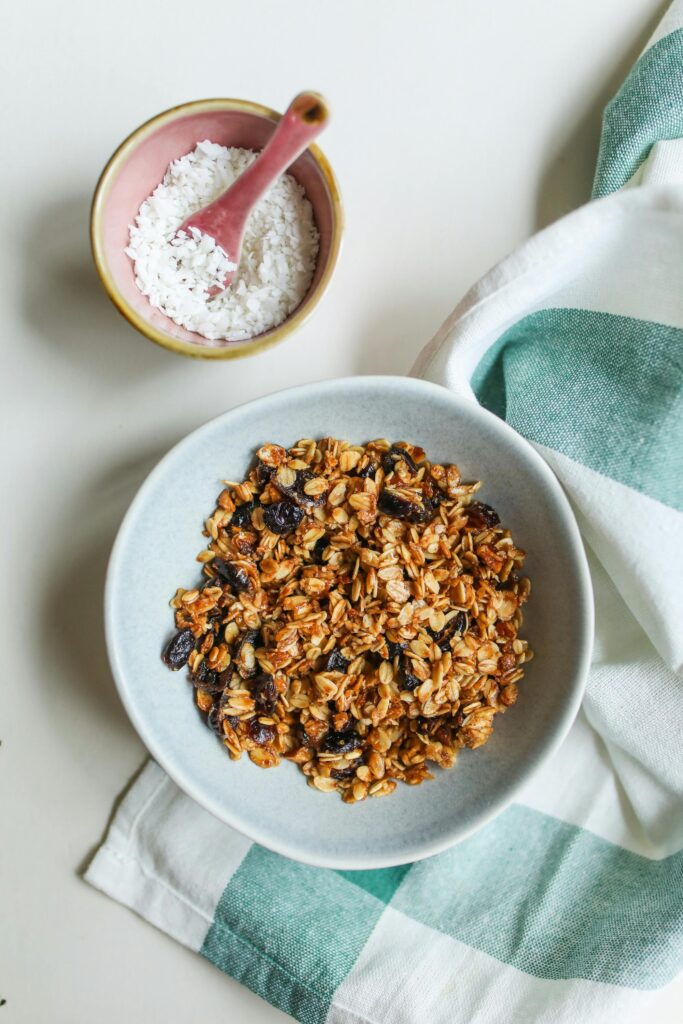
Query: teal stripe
(604,390)
(555,901)
(291,933)
(648,108)
(382,884)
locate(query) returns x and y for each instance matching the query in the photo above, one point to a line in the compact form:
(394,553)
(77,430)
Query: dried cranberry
(282,517)
(232,574)
(455,626)
(178,649)
(260,733)
(483,515)
(340,742)
(264,693)
(241,517)
(390,458)
(336,662)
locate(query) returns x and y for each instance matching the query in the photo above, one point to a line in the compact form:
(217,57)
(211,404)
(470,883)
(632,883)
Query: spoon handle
(304,119)
(225,217)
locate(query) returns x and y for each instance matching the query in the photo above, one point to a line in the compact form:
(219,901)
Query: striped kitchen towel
(569,906)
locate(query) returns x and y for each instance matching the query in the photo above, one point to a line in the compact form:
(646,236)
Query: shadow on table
(65,305)
(567,179)
(71,620)
(393,338)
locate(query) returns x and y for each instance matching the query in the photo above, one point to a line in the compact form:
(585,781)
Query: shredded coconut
(176,271)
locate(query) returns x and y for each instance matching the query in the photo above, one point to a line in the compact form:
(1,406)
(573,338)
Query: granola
(359,615)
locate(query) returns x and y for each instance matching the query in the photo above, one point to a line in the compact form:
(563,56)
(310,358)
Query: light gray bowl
(155,553)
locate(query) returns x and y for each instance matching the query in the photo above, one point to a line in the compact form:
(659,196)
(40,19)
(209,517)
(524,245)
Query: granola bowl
(388,624)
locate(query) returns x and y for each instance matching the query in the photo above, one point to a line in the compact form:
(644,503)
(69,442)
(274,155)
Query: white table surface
(460,127)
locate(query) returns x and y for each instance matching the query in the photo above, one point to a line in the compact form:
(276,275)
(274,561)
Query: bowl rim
(197,351)
(551,740)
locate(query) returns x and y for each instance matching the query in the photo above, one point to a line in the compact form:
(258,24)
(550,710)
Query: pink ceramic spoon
(226,217)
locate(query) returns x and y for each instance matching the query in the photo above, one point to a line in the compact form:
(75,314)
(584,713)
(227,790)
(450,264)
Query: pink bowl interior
(143,169)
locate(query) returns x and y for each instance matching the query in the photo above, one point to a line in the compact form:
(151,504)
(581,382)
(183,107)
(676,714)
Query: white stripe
(638,541)
(672,20)
(166,858)
(663,166)
(407,972)
(578,786)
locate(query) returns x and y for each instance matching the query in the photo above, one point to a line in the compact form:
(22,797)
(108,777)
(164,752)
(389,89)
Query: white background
(460,127)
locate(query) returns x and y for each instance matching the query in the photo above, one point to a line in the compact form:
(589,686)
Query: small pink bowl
(137,167)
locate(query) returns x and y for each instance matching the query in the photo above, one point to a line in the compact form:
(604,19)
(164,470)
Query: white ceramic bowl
(155,551)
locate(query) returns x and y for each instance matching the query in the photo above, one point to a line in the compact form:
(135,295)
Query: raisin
(282,517)
(296,491)
(374,658)
(336,662)
(232,574)
(340,742)
(442,639)
(313,500)
(260,733)
(178,649)
(390,458)
(395,505)
(343,773)
(264,693)
(264,473)
(395,648)
(241,517)
(318,549)
(410,682)
(433,498)
(206,679)
(215,719)
(368,471)
(482,515)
